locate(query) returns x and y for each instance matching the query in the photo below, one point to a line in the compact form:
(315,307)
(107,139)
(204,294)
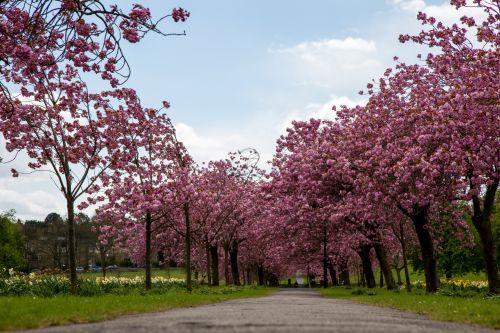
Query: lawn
(165,272)
(30,312)
(475,309)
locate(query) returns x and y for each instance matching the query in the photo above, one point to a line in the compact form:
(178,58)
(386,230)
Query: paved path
(289,310)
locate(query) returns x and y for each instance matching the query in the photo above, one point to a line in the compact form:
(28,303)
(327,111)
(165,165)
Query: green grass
(414,276)
(420,276)
(475,310)
(165,272)
(30,312)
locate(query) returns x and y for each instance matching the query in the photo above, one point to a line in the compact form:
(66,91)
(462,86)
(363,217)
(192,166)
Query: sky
(245,70)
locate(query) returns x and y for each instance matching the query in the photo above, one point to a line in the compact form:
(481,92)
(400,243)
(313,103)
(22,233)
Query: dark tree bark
(385,269)
(420,221)
(398,274)
(102,250)
(148,250)
(381,279)
(209,275)
(70,204)
(344,273)
(260,274)
(214,254)
(364,253)
(361,279)
(227,276)
(187,241)
(325,259)
(407,273)
(233,255)
(400,235)
(333,274)
(481,219)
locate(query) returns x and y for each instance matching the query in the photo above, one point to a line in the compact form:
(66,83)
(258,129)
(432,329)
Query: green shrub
(89,288)
(359,291)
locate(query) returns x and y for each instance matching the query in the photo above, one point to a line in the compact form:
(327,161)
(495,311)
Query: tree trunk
(71,239)
(364,253)
(227,276)
(344,273)
(381,279)
(385,269)
(482,222)
(420,221)
(260,274)
(209,275)
(187,242)
(56,262)
(103,260)
(405,260)
(398,274)
(233,254)
(148,250)
(308,276)
(214,255)
(325,260)
(249,276)
(333,274)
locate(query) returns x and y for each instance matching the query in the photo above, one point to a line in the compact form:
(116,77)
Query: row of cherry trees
(401,169)
(394,172)
(426,142)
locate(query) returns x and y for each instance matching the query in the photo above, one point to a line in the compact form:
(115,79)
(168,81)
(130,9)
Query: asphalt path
(289,310)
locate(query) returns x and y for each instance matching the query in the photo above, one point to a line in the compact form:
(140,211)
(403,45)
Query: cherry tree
(141,190)
(46,47)
(74,135)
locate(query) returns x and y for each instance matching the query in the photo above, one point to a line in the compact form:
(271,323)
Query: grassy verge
(30,312)
(164,272)
(476,309)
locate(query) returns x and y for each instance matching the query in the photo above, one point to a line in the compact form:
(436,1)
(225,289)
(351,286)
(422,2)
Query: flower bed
(51,285)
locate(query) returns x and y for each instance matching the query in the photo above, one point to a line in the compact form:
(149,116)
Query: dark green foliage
(11,244)
(456,256)
(495,225)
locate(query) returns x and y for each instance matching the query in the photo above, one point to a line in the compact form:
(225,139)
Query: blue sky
(246,69)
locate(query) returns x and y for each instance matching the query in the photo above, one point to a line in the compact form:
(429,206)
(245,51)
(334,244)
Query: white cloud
(32,204)
(342,65)
(319,110)
(315,52)
(324,111)
(410,5)
(33,195)
(444,12)
(193,140)
(205,147)
(349,43)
